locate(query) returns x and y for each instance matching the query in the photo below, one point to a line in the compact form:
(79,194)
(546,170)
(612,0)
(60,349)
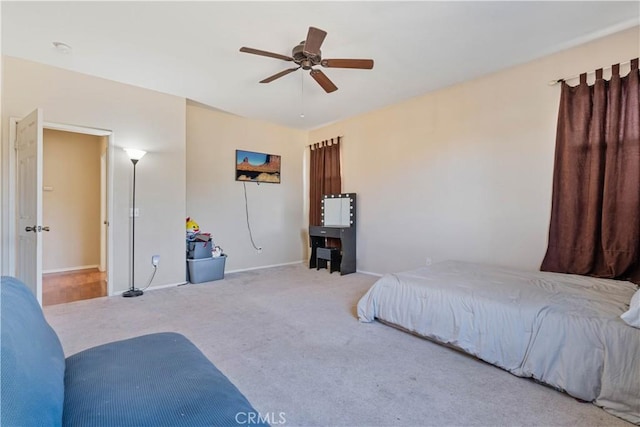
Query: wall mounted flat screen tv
(257,167)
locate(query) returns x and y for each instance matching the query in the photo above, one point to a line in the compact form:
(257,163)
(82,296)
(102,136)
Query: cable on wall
(246,209)
(155,268)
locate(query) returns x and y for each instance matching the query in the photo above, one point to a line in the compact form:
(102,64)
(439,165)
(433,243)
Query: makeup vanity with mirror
(339,223)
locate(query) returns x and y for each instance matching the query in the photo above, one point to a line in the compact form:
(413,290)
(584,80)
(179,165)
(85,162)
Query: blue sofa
(152,380)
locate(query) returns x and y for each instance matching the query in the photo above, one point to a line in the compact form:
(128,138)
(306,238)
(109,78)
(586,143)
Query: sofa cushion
(152,380)
(32,365)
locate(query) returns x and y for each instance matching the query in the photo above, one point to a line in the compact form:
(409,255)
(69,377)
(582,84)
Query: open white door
(103,211)
(29,202)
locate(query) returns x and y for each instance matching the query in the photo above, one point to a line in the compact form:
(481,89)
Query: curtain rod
(339,137)
(555,82)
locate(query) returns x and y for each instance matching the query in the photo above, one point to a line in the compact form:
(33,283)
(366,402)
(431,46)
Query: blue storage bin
(206,269)
(198,249)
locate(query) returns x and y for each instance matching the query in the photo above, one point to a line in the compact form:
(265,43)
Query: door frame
(11,220)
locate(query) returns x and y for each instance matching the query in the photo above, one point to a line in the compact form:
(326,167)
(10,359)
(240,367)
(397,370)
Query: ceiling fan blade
(314,40)
(365,64)
(265,53)
(323,81)
(278,75)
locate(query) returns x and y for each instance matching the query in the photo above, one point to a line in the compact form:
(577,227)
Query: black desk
(347,235)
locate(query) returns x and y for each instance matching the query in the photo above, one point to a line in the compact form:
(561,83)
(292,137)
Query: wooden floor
(58,288)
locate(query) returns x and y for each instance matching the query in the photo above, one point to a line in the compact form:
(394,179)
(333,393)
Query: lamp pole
(133,292)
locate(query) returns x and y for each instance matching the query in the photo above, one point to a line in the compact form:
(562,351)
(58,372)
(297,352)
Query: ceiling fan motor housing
(304,60)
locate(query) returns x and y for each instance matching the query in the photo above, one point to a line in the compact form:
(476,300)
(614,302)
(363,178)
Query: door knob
(37,228)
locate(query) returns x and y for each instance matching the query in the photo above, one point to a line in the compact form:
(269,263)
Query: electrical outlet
(260,250)
(428,261)
(132,213)
(155,260)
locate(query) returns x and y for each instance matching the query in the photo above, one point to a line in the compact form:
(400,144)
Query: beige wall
(139,118)
(216,201)
(71,200)
(463,173)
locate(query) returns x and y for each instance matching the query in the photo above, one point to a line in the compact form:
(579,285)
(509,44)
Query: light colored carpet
(289,338)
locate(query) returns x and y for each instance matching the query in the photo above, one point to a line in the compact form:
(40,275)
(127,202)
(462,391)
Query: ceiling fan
(306,55)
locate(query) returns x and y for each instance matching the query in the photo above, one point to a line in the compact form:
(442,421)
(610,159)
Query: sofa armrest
(32,365)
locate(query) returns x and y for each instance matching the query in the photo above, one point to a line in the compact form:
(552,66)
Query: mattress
(563,330)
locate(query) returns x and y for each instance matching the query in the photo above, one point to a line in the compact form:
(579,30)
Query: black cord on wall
(155,268)
(246,209)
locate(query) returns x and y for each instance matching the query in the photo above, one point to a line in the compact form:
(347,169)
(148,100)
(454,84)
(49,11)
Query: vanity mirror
(338,210)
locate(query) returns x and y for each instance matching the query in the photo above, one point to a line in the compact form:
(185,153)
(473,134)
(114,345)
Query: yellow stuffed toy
(192,228)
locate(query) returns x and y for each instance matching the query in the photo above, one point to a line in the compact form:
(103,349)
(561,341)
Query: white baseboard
(240,270)
(62,270)
(153,288)
(370,273)
(293,263)
(264,266)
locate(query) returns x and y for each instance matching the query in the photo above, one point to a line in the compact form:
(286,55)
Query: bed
(560,329)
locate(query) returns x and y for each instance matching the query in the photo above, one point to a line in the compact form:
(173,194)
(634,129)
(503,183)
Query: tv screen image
(257,167)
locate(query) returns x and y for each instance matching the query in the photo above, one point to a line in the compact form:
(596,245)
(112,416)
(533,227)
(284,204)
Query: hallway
(58,288)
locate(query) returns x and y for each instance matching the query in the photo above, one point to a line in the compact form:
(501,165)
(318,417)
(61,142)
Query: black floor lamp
(134,155)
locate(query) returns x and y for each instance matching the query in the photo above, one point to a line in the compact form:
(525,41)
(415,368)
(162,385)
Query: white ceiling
(191,49)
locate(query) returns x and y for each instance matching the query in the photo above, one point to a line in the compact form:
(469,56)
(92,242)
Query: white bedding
(564,330)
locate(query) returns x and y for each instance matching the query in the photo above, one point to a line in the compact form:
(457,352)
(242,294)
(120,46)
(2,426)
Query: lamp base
(132,293)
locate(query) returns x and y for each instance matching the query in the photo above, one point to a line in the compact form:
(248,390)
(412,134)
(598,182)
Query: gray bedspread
(563,330)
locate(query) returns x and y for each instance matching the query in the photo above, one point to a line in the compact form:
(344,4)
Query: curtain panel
(595,215)
(324,176)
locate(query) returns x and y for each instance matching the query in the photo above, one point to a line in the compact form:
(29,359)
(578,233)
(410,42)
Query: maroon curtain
(595,214)
(324,176)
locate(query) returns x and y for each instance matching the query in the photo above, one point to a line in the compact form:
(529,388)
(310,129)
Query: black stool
(328,254)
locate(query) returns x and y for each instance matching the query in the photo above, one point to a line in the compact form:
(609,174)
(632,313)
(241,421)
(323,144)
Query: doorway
(24,222)
(74,208)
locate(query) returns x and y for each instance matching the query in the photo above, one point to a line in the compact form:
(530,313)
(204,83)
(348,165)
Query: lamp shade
(135,154)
